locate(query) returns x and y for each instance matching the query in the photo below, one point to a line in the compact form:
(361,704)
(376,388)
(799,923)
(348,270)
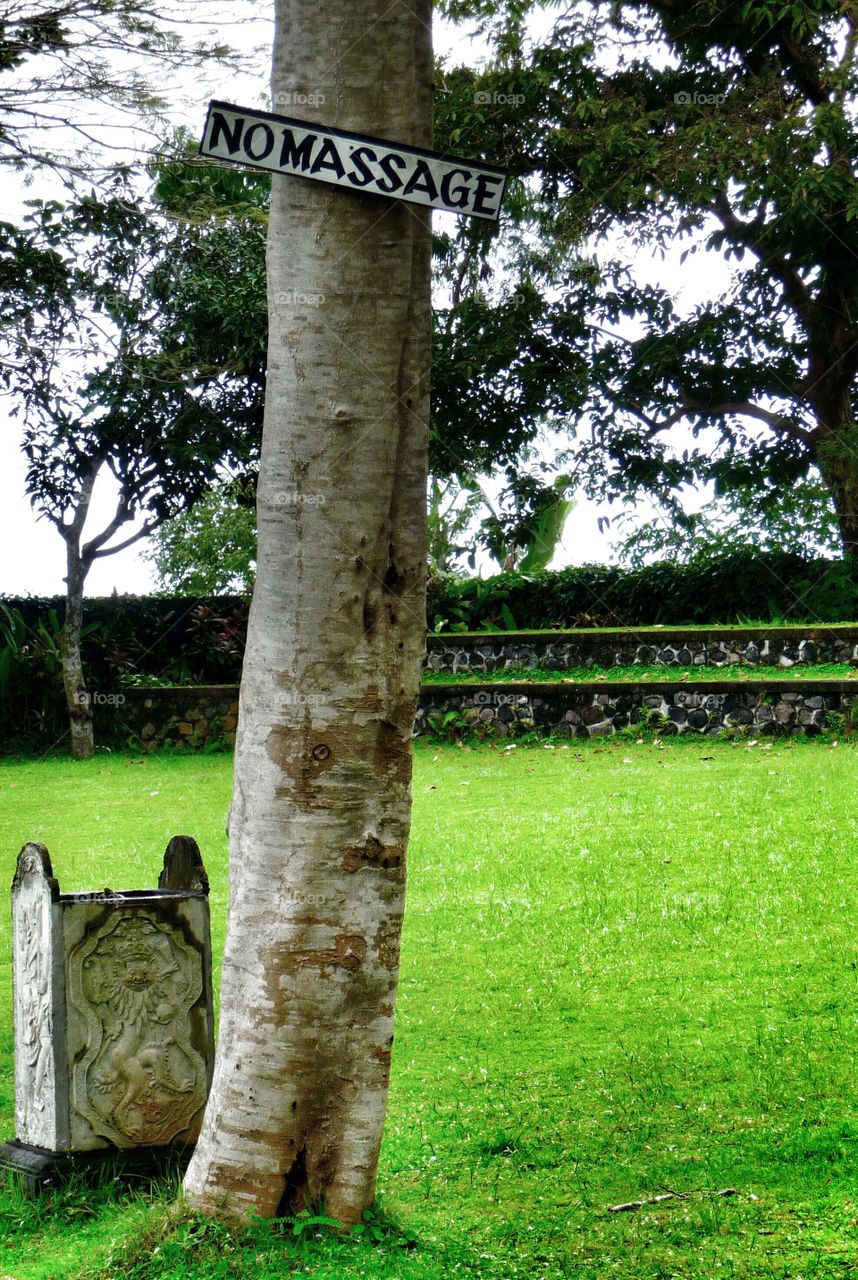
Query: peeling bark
(321,810)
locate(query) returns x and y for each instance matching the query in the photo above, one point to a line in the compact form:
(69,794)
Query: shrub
(735,588)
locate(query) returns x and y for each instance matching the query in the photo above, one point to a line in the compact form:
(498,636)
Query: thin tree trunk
(321,807)
(77,696)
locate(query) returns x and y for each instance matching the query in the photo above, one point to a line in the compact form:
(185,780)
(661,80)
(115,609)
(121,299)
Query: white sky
(34,557)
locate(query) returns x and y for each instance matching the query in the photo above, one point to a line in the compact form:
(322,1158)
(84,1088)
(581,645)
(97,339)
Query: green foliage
(498,372)
(125,641)
(655,126)
(525,532)
(645,672)
(103,383)
(457,609)
(521,529)
(210,548)
(31,706)
(737,586)
(754,520)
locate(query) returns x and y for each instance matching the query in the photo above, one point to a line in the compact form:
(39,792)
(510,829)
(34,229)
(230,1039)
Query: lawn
(628,970)
(639,673)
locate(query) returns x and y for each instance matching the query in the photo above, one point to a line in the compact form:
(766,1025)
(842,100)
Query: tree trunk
(77,697)
(836,452)
(321,807)
(837,459)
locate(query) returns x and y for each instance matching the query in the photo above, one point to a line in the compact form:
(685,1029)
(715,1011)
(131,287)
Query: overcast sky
(33,559)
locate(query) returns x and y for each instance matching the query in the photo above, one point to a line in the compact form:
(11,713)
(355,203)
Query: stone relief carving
(34,1059)
(135,980)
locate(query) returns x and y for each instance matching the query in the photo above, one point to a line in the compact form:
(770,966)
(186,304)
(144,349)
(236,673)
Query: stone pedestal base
(40,1170)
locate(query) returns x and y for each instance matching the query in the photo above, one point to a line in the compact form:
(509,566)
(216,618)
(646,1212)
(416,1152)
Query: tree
(210,549)
(321,808)
(489,397)
(638,124)
(88,286)
(59,58)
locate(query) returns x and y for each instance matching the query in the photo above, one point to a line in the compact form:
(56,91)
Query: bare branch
(143,532)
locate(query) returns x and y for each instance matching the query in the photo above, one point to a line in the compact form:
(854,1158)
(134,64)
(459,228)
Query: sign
(279,144)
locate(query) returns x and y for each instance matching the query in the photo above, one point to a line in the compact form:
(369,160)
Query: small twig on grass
(632,1205)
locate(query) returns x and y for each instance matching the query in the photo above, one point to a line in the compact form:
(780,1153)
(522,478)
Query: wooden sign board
(279,144)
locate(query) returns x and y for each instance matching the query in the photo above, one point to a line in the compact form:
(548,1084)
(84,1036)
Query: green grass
(640,673)
(625,968)
(767,626)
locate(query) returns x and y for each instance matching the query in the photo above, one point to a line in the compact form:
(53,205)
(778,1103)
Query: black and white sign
(280,144)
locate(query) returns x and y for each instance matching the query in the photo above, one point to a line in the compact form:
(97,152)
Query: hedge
(183,640)
(737,588)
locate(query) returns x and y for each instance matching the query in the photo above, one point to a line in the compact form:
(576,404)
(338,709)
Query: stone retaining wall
(590,711)
(193,716)
(205,715)
(647,646)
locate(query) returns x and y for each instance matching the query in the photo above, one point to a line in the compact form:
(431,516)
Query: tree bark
(77,697)
(842,479)
(831,373)
(321,807)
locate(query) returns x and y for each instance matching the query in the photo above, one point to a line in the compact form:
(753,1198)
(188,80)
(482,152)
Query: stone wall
(591,710)
(646,646)
(205,715)
(196,716)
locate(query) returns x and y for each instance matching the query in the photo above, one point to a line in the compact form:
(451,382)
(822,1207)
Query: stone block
(112,1008)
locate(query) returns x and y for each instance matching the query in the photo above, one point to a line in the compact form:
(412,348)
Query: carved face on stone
(136,975)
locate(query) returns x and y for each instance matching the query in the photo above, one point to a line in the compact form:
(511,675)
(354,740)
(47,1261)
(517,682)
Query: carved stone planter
(113,1012)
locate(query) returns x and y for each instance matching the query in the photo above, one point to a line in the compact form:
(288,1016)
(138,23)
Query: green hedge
(737,588)
(174,640)
(182,640)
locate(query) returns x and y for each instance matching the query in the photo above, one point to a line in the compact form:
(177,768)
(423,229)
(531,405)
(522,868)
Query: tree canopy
(105,389)
(75,73)
(635,126)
